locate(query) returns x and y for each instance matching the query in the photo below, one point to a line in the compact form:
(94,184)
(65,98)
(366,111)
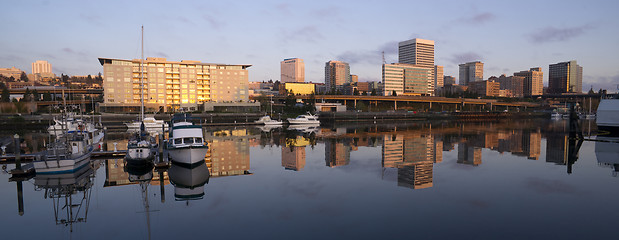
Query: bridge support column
(355,103)
(395,105)
(429,109)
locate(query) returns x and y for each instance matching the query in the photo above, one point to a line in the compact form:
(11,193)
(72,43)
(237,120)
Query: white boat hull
(61,166)
(188,155)
(293,121)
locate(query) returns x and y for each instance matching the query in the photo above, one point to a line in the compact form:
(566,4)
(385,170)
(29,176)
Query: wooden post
(17,152)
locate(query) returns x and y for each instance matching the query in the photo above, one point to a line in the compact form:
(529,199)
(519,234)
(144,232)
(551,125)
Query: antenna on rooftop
(384,62)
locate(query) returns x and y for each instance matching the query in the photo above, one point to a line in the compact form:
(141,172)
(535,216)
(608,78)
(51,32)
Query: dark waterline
(513,180)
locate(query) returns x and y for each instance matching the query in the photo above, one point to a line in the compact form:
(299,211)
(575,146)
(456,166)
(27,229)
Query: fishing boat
(266,120)
(151,125)
(186,145)
(608,116)
(68,153)
(304,119)
(70,124)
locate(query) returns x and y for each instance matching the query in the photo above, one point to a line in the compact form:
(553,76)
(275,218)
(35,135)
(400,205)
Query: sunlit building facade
(172,85)
(471,72)
(407,79)
(292,70)
(533,81)
(565,77)
(417,51)
(337,74)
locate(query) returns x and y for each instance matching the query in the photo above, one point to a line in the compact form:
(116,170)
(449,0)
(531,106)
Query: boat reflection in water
(142,174)
(607,152)
(188,181)
(70,193)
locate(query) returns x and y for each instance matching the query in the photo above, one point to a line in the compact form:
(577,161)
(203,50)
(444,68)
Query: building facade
(515,84)
(417,51)
(300,88)
(449,80)
(170,85)
(438,77)
(11,72)
(41,67)
(292,70)
(565,77)
(337,73)
(471,72)
(533,81)
(407,79)
(485,88)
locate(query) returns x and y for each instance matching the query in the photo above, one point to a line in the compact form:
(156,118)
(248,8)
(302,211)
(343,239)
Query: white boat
(67,154)
(305,128)
(608,116)
(152,125)
(556,116)
(186,143)
(304,119)
(141,150)
(70,124)
(266,120)
(188,182)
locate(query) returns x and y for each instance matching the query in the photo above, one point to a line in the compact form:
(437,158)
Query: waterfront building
(565,77)
(533,81)
(337,73)
(170,85)
(471,72)
(417,51)
(485,88)
(292,70)
(449,80)
(300,88)
(11,72)
(407,79)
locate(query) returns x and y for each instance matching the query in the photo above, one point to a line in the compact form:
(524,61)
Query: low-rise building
(485,88)
(300,88)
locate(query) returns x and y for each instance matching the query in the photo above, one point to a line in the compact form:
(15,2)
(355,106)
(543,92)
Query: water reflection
(607,153)
(188,182)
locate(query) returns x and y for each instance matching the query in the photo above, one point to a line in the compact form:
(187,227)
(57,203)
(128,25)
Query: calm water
(509,180)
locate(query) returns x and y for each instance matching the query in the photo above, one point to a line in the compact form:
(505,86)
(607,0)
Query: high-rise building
(485,88)
(515,85)
(533,81)
(471,72)
(171,85)
(449,80)
(438,77)
(292,70)
(417,51)
(41,67)
(565,77)
(407,79)
(337,73)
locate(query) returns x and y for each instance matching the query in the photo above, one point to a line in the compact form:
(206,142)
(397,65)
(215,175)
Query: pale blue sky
(507,36)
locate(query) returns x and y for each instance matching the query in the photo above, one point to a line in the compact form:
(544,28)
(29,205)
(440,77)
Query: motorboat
(188,182)
(151,124)
(608,116)
(70,124)
(186,145)
(67,154)
(266,120)
(141,149)
(305,128)
(304,119)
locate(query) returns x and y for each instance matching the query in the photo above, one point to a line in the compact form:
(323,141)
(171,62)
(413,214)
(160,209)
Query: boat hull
(52,166)
(188,156)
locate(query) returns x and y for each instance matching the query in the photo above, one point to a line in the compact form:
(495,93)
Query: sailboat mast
(142,79)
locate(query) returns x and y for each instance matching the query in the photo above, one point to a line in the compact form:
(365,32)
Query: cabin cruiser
(67,154)
(304,119)
(186,145)
(608,116)
(266,120)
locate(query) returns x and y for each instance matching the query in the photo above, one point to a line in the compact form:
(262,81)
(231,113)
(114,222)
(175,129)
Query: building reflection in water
(293,153)
(413,155)
(337,152)
(228,152)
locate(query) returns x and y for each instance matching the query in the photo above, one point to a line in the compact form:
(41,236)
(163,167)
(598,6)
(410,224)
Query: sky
(507,36)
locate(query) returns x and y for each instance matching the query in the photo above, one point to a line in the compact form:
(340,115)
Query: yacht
(151,124)
(304,119)
(70,124)
(608,116)
(266,120)
(186,145)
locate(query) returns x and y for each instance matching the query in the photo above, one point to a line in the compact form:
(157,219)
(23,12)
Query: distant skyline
(506,36)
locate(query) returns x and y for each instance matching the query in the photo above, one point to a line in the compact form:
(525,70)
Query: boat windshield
(188,140)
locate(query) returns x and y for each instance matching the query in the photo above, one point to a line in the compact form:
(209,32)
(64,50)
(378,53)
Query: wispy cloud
(600,82)
(216,24)
(370,56)
(548,186)
(553,34)
(478,18)
(331,11)
(465,57)
(308,33)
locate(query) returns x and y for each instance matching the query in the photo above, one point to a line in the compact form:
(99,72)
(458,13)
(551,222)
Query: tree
(394,93)
(355,92)
(27,95)
(35,95)
(47,96)
(23,77)
(6,95)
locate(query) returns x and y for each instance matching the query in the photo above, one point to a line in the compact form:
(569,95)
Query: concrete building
(407,79)
(513,83)
(40,66)
(565,77)
(471,72)
(438,77)
(170,85)
(354,78)
(533,81)
(292,70)
(11,72)
(485,88)
(449,80)
(300,88)
(337,73)
(416,51)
